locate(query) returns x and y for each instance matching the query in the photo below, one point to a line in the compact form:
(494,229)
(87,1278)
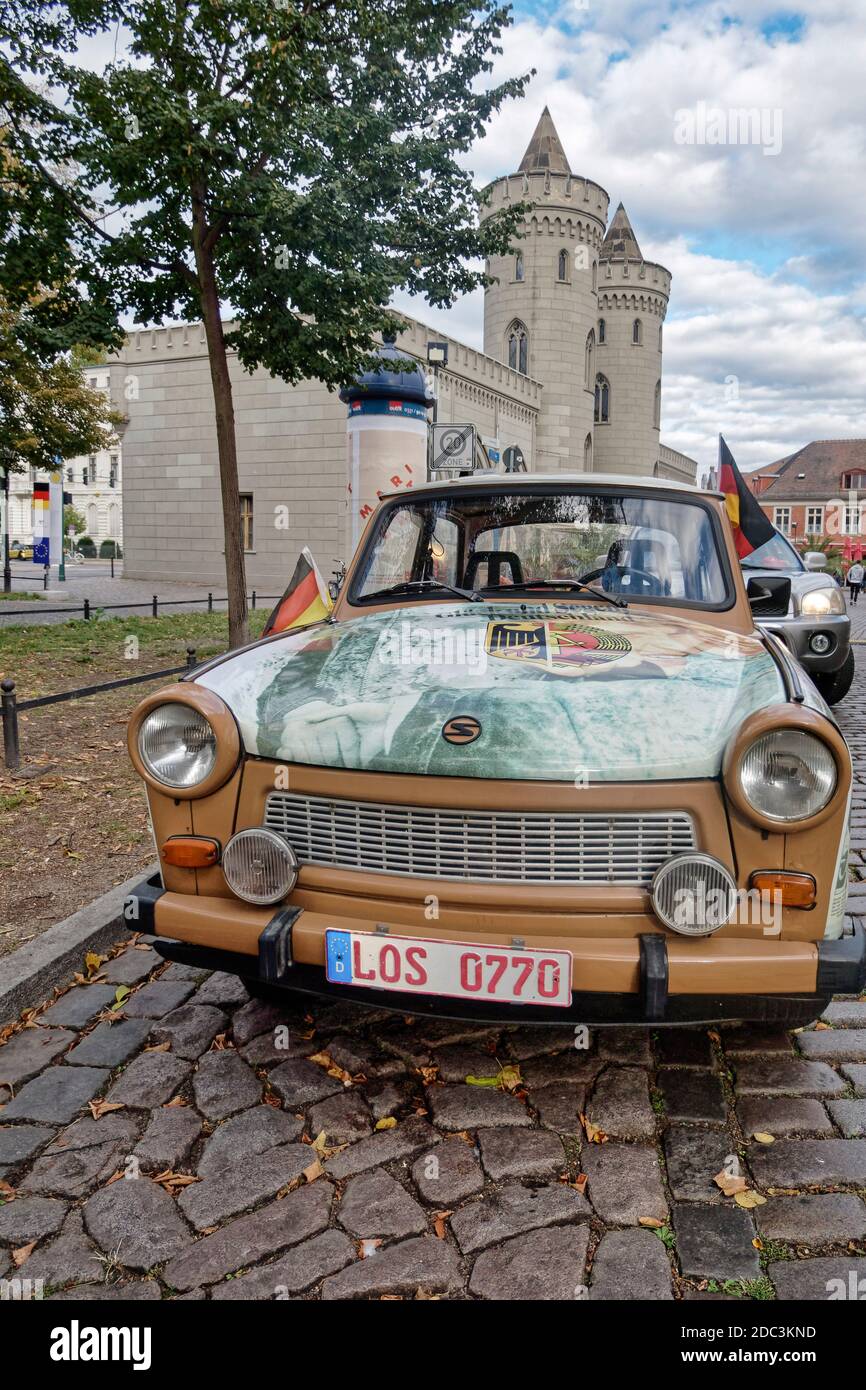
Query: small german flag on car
(752,526)
(305,601)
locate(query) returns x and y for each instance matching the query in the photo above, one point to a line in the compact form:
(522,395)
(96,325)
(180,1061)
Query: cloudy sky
(765,338)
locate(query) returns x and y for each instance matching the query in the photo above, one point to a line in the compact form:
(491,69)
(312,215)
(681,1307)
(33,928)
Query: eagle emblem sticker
(463,728)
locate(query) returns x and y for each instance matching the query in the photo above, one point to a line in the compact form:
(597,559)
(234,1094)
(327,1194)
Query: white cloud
(767,251)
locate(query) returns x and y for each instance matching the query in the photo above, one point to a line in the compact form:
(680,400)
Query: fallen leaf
(171,1181)
(159,1047)
(7,1191)
(652,1223)
(439,1219)
(121,994)
(115,1177)
(764,1138)
(821,1026)
(509,1078)
(749,1199)
(758,1243)
(428,1074)
(580,1183)
(173,1104)
(98,1108)
(388,1122)
(594,1133)
(729,1185)
(21,1254)
(313,1170)
(368,1247)
(92,960)
(271,1098)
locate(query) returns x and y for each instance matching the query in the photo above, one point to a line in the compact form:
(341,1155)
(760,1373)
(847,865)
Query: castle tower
(632,302)
(540,313)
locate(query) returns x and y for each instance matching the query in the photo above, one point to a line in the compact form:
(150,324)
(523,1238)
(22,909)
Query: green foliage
(309,156)
(73,519)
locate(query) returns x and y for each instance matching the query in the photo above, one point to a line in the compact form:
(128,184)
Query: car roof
(499,481)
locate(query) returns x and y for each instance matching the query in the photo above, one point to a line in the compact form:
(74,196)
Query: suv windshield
(652,547)
(774,554)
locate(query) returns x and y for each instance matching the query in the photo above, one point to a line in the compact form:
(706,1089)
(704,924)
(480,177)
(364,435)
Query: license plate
(456,969)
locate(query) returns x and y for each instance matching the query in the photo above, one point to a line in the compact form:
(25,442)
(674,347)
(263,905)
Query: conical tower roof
(544,151)
(620,242)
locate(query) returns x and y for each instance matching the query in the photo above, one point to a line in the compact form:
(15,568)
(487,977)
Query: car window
(652,547)
(774,554)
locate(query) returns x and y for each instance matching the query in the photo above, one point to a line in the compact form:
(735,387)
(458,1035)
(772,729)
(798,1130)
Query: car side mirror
(815,560)
(769,596)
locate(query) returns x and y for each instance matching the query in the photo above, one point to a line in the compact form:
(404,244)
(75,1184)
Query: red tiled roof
(822,464)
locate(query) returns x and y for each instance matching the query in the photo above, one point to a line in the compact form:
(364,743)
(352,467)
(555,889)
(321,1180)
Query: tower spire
(544,151)
(620,242)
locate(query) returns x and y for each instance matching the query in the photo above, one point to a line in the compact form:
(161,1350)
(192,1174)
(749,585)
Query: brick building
(819,491)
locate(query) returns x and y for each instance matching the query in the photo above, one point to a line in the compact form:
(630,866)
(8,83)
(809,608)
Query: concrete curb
(28,975)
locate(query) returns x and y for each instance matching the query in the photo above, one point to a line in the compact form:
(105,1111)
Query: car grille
(486,846)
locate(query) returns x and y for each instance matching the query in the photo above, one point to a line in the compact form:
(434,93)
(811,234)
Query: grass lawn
(21,598)
(80,825)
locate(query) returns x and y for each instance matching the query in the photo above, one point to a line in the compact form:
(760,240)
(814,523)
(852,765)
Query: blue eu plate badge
(338,957)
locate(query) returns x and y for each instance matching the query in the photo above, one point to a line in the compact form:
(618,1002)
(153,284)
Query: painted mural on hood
(551,691)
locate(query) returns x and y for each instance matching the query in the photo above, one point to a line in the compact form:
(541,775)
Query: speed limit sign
(453,448)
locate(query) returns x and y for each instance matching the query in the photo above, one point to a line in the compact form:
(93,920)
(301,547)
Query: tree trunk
(236,581)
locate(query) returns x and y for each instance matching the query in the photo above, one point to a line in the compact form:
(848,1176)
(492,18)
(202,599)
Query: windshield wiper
(412,586)
(572,584)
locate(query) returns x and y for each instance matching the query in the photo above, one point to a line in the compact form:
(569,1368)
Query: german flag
(752,527)
(305,601)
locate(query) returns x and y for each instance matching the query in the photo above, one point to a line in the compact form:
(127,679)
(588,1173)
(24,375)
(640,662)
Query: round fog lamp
(820,643)
(260,866)
(694,894)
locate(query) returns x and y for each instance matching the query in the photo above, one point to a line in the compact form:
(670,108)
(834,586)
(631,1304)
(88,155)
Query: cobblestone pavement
(199,1180)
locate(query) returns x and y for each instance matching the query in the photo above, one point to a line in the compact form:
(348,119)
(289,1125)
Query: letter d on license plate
(455,969)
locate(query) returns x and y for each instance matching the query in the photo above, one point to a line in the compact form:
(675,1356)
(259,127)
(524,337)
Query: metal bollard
(11,750)
(154,606)
(190,657)
(254,598)
(112,566)
(210,602)
(87,610)
(45,573)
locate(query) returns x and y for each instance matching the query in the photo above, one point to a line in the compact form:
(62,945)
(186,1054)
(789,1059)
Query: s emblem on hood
(461,729)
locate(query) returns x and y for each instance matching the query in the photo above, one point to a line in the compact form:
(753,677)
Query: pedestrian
(855,580)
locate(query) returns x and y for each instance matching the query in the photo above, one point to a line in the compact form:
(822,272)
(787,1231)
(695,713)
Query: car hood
(562,692)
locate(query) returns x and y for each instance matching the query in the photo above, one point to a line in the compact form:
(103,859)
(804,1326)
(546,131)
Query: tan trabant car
(539,764)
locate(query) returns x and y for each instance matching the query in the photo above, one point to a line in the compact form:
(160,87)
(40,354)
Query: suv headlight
(818,603)
(177,745)
(788,775)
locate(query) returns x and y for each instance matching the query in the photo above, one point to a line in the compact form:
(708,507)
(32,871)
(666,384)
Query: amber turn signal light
(796,890)
(191,852)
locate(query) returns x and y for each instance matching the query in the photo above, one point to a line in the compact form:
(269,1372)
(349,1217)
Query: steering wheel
(648,583)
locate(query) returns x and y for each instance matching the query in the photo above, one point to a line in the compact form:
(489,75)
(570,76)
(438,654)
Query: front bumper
(796,633)
(652,978)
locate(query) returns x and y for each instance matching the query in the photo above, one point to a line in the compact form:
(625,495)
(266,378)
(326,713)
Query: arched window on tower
(602,331)
(518,347)
(657,406)
(562,268)
(594,276)
(587,454)
(637,332)
(660,337)
(518,266)
(602,400)
(589,360)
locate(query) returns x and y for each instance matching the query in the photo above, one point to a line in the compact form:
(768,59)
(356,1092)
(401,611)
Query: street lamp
(437,356)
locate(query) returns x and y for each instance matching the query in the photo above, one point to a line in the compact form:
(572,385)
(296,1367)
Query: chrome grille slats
(480,846)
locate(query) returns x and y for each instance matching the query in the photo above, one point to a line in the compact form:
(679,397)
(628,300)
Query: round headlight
(177,745)
(788,775)
(694,894)
(260,866)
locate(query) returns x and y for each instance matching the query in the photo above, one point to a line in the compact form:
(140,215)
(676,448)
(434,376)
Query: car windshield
(774,554)
(653,548)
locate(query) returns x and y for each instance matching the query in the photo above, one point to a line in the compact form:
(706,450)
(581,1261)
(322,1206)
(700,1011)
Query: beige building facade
(538,385)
